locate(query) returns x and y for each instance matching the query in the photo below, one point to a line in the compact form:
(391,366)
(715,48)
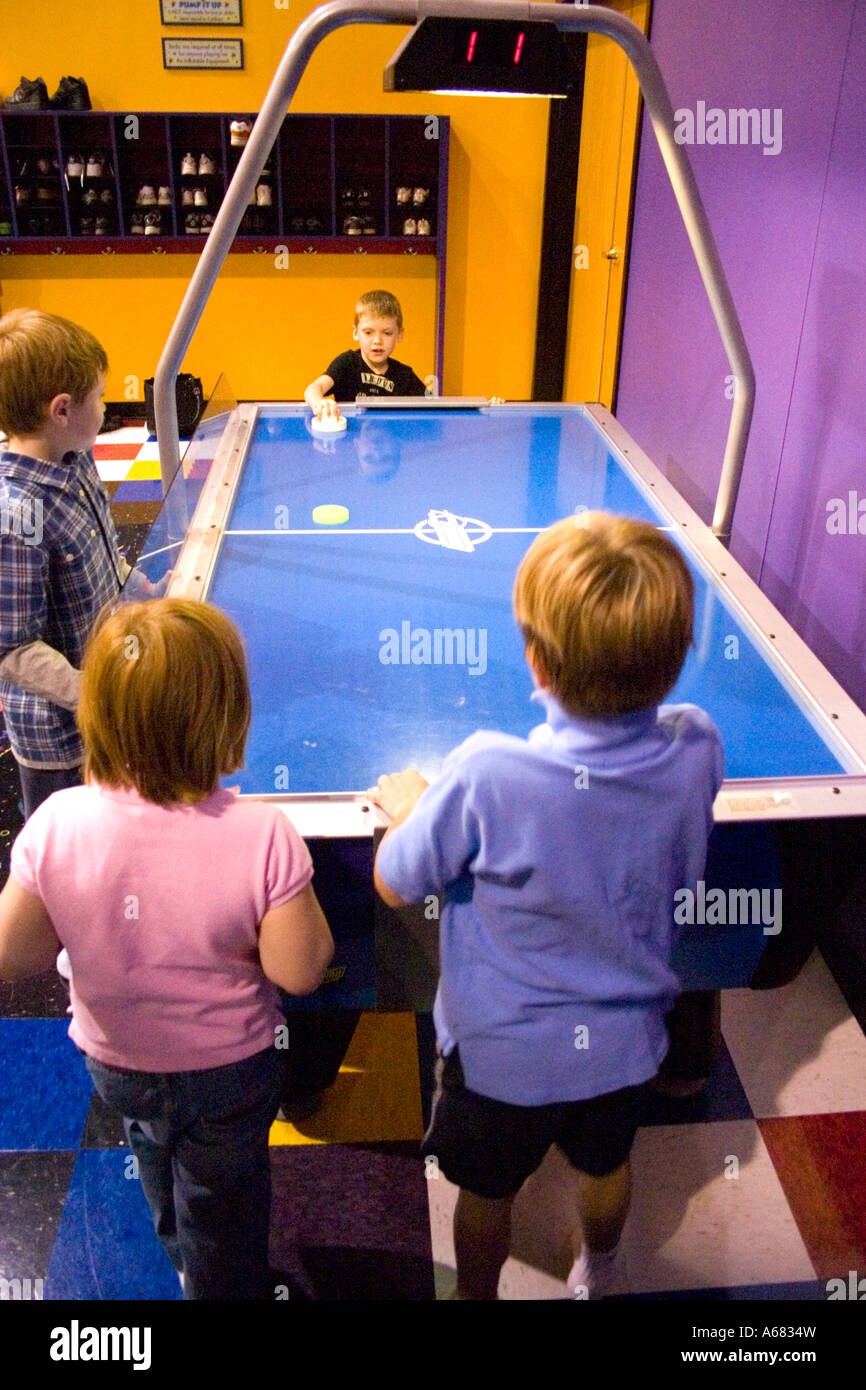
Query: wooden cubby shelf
(120,183)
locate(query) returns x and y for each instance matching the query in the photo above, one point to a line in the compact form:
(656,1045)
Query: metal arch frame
(336,14)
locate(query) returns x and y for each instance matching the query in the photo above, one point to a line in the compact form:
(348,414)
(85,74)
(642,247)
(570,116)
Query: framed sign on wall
(201,11)
(203,53)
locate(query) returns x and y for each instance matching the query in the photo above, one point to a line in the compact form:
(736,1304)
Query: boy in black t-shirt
(369,370)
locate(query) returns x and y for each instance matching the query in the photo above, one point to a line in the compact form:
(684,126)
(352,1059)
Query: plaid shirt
(59,563)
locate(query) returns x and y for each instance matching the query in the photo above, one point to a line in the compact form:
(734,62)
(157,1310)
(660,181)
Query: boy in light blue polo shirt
(558,858)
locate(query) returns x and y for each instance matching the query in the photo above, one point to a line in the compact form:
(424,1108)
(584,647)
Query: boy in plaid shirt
(59,556)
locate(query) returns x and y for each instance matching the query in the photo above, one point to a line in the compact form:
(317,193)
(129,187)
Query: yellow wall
(269,330)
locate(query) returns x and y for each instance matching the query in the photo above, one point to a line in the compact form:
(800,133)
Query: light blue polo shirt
(559,857)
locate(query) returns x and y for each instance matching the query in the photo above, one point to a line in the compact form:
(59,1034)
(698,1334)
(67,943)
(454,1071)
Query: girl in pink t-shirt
(182,909)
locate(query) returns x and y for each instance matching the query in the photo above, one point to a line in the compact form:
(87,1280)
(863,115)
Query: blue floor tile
(44,1086)
(106,1247)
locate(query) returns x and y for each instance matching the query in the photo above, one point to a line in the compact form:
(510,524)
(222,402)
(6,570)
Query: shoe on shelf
(87,226)
(347,199)
(420,196)
(95,166)
(410,227)
(188,165)
(45,165)
(75,166)
(136,225)
(200,198)
(368,226)
(71,95)
(423,227)
(46,194)
(187,198)
(152,224)
(404,195)
(28,96)
(206,165)
(240,132)
(192,223)
(89,198)
(146,196)
(363,199)
(22,195)
(102,226)
(314,226)
(207,222)
(352,226)
(106,197)
(164,196)
(5,226)
(297,226)
(263,195)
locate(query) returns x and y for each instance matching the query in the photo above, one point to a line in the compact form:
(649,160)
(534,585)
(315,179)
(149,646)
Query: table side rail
(197,560)
(840,719)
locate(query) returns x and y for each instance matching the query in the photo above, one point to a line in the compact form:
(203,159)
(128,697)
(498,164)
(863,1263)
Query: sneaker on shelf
(207,222)
(44,164)
(297,226)
(102,226)
(200,198)
(146,196)
(87,226)
(352,226)
(314,226)
(89,198)
(22,195)
(206,165)
(423,227)
(187,198)
(263,195)
(106,197)
(136,224)
(420,196)
(363,200)
(44,194)
(189,165)
(152,224)
(71,95)
(410,227)
(28,96)
(164,196)
(404,195)
(347,199)
(240,132)
(75,166)
(368,226)
(192,223)
(95,165)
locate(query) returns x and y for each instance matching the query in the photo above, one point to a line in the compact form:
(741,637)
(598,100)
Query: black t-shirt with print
(353,378)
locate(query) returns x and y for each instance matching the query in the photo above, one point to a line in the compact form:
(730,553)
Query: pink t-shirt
(159,909)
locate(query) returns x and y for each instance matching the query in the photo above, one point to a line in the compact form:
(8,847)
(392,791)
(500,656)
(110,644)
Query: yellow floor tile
(377,1095)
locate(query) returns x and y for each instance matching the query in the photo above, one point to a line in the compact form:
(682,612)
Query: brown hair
(165,704)
(606,606)
(379,304)
(43,356)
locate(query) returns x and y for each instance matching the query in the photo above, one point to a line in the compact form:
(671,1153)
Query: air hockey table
(383,641)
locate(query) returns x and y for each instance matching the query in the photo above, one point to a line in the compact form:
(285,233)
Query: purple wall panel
(816,575)
(764,210)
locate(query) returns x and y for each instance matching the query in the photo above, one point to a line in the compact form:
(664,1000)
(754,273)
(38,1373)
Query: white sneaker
(63,965)
(240,132)
(188,165)
(596,1274)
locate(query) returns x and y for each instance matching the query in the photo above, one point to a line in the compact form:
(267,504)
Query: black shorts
(490,1147)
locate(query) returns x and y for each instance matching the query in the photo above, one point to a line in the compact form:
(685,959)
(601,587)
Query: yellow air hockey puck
(330,515)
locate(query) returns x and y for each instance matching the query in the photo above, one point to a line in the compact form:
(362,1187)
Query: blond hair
(43,356)
(606,606)
(379,304)
(165,703)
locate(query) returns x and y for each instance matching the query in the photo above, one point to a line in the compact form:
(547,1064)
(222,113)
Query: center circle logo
(453,532)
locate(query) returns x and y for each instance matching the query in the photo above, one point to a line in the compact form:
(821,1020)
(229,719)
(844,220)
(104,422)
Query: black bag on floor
(190,404)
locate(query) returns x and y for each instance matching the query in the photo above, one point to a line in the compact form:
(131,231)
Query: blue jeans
(201,1140)
(38,783)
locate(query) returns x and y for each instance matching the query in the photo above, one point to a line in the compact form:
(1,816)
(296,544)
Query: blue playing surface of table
(349,678)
